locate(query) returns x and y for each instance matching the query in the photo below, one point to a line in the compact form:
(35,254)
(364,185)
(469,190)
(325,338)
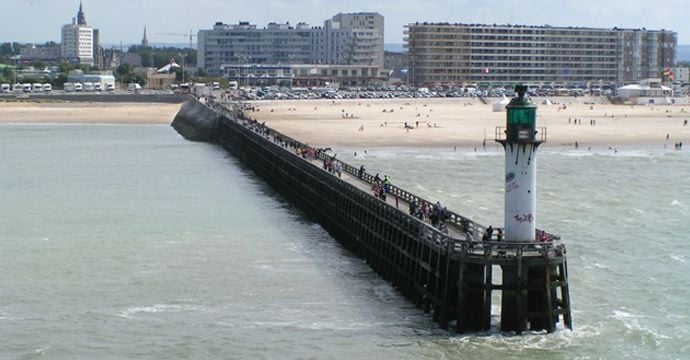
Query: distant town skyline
(39,21)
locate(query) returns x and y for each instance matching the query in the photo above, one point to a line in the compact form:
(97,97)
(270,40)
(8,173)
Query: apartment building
(457,53)
(79,41)
(345,39)
(49,53)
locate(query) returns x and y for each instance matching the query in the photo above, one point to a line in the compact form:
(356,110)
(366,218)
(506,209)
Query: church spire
(81,17)
(145,40)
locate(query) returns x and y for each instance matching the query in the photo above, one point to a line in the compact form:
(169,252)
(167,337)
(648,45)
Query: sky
(123,21)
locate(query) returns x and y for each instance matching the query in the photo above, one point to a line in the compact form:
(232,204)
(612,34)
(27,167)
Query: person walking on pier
(338,167)
(375,190)
(386,183)
(543,237)
(361,171)
(434,219)
(488,234)
(382,194)
(424,215)
(413,207)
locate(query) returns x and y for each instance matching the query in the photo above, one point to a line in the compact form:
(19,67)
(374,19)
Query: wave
(679,258)
(634,328)
(154,309)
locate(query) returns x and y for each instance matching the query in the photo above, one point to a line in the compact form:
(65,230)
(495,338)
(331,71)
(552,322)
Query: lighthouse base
(529,299)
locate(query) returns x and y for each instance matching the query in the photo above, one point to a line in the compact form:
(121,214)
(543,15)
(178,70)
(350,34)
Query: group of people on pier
(380,187)
(332,165)
(435,214)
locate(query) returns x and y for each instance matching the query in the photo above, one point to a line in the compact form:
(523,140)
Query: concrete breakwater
(453,274)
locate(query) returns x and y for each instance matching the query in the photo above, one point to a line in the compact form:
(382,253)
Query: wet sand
(87,112)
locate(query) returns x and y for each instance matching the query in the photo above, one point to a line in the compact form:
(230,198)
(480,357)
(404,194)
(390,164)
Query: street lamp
(15,58)
(182,57)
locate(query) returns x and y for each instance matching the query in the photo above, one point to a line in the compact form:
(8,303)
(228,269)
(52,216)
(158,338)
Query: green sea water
(130,242)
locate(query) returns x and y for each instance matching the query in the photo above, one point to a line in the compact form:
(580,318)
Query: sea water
(128,241)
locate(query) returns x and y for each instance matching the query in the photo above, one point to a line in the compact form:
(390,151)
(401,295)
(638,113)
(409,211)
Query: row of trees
(159,57)
(150,57)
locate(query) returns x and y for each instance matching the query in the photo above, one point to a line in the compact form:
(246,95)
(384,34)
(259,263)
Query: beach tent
(168,68)
(546,102)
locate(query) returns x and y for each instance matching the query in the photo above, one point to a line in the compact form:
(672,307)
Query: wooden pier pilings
(454,276)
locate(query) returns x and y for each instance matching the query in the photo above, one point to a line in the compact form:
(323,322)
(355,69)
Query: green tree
(146,58)
(59,81)
(178,74)
(10,49)
(6,74)
(38,64)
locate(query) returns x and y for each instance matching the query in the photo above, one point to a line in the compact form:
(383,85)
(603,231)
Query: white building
(649,91)
(78,40)
(345,39)
(365,34)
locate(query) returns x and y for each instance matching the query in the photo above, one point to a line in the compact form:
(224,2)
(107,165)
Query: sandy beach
(462,122)
(87,112)
(446,122)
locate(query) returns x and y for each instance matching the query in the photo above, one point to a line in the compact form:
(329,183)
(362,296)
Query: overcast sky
(123,20)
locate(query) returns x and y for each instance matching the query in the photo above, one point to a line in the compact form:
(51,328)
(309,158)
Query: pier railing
(448,271)
(472,243)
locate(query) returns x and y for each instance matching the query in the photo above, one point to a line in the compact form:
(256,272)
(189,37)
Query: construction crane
(191,36)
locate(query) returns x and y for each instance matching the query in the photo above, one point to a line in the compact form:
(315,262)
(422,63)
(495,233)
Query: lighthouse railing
(501,134)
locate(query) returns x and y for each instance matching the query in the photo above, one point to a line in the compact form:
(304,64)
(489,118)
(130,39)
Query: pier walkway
(449,273)
(459,227)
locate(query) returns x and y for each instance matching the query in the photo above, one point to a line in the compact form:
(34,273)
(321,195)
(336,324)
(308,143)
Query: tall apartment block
(345,39)
(456,53)
(80,42)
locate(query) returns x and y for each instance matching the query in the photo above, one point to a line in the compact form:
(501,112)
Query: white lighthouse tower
(520,143)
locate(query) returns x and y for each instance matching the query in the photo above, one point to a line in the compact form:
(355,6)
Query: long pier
(451,274)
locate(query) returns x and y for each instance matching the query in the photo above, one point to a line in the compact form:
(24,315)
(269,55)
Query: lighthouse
(526,286)
(520,143)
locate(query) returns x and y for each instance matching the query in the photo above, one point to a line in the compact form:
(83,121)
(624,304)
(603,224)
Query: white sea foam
(154,309)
